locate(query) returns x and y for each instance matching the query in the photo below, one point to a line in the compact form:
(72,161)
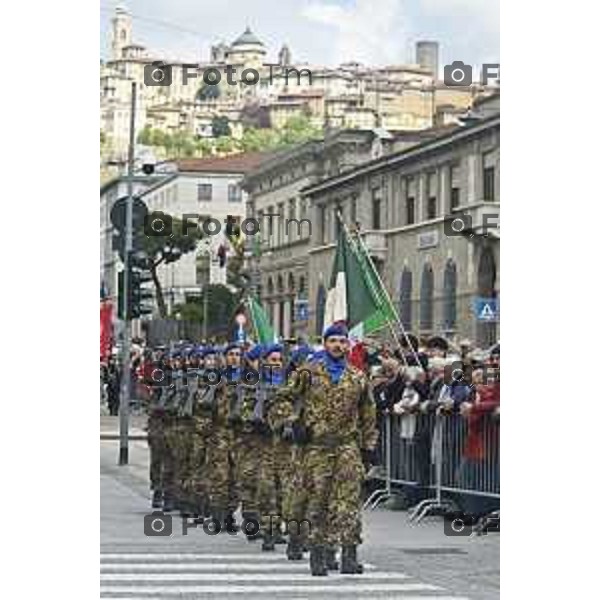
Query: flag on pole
(355,295)
(260,321)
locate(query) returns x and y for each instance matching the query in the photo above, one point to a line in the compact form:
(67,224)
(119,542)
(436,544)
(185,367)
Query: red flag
(106,330)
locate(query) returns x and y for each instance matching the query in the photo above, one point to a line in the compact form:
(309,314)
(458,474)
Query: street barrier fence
(439,461)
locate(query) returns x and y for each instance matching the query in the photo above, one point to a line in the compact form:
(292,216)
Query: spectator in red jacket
(480,465)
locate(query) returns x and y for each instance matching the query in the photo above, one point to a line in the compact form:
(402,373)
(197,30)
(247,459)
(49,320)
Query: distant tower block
(427,56)
(121,32)
(285,56)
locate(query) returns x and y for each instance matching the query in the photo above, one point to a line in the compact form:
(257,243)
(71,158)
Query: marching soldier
(223,502)
(286,419)
(340,419)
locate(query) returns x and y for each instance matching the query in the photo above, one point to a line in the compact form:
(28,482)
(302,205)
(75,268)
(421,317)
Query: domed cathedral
(247,51)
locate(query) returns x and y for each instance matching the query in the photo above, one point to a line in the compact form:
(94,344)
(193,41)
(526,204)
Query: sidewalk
(109,427)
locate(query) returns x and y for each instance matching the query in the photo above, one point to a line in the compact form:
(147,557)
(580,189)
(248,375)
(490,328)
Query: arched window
(279,284)
(291,283)
(406,299)
(450,295)
(427,298)
(270,286)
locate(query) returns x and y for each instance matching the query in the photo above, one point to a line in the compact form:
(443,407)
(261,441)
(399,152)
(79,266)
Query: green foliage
(296,130)
(208,92)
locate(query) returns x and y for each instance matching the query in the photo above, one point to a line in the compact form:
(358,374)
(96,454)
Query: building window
(280,224)
(376,209)
(454,187)
(204,192)
(432,207)
(426,302)
(410,210)
(454,198)
(488,184)
(322,224)
(406,299)
(450,296)
(431,195)
(234,192)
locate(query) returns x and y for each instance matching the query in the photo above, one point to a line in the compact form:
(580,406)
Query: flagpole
(389,323)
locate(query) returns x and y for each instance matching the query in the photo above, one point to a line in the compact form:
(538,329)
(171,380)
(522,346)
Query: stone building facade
(402,202)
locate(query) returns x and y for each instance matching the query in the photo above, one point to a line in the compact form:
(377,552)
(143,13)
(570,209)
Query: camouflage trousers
(162,462)
(293,478)
(189,447)
(253,472)
(219,469)
(334,477)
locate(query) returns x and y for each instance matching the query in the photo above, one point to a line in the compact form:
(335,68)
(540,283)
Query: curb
(116,436)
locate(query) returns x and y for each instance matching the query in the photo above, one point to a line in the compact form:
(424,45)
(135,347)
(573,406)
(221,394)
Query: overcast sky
(326,32)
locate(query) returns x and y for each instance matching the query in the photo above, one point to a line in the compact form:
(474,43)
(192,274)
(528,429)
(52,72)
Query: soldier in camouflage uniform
(286,419)
(220,479)
(162,435)
(157,423)
(251,450)
(340,419)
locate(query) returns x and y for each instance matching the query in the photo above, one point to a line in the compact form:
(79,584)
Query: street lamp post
(126,379)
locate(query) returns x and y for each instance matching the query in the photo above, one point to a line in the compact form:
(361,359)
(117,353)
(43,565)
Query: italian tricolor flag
(355,293)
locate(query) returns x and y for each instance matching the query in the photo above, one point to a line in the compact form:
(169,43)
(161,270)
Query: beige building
(351,95)
(281,268)
(402,202)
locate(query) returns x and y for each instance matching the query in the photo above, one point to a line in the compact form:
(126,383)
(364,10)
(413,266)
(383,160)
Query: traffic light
(139,265)
(139,275)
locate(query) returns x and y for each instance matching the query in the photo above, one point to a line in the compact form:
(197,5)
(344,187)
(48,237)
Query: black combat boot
(157,498)
(230,521)
(330,561)
(268,544)
(294,548)
(317,560)
(168,503)
(279,538)
(350,565)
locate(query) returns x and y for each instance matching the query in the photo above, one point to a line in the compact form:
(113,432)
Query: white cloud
(372,33)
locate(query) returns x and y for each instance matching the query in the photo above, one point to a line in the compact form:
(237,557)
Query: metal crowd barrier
(437,459)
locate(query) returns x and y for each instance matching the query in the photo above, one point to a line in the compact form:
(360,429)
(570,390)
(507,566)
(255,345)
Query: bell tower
(121,32)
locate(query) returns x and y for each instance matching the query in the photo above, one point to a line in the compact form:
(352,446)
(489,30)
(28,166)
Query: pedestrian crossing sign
(486,309)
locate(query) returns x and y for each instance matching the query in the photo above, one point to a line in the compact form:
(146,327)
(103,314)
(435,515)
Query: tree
(145,136)
(165,249)
(220,126)
(298,129)
(208,92)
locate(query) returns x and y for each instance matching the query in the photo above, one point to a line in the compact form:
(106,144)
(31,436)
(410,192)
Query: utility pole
(126,378)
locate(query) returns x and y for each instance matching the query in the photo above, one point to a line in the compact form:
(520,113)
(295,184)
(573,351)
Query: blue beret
(300,354)
(272,348)
(336,329)
(207,350)
(254,353)
(231,346)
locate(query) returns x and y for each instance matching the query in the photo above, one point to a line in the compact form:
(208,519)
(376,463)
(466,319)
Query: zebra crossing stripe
(135,567)
(252,577)
(303,590)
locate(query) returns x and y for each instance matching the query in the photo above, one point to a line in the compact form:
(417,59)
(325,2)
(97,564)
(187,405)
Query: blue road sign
(486,309)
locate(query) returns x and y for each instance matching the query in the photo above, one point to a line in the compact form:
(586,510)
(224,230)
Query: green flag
(260,321)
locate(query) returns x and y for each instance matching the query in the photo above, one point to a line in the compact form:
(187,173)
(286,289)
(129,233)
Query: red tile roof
(233,163)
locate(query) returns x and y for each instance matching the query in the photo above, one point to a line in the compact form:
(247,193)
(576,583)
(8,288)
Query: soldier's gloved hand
(300,433)
(287,433)
(369,458)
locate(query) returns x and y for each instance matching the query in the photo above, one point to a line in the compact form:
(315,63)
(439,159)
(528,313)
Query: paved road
(412,562)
